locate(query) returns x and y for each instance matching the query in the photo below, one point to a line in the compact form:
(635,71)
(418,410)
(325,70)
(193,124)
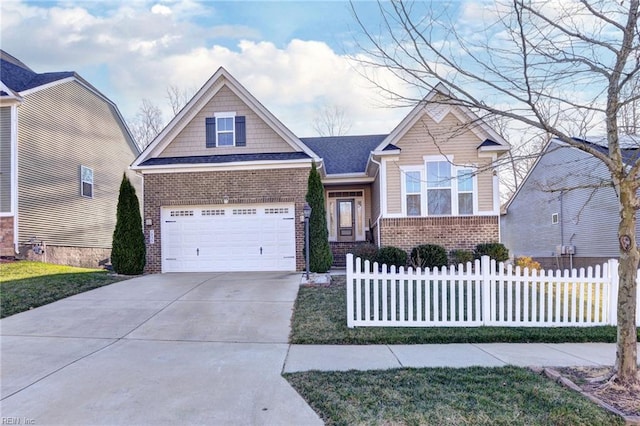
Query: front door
(346,225)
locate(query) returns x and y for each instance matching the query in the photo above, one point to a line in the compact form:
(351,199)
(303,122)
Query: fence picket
(481,293)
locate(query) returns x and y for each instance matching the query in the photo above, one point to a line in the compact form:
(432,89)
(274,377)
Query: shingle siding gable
(259,136)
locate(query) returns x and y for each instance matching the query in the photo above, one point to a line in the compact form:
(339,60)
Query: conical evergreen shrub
(128,248)
(320,257)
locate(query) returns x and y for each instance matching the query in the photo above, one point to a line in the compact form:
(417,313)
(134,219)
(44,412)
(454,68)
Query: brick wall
(207,188)
(6,237)
(450,232)
(339,249)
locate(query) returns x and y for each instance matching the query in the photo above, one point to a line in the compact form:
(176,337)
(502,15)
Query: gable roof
(629,146)
(21,80)
(492,140)
(221,78)
(19,77)
(344,154)
(630,150)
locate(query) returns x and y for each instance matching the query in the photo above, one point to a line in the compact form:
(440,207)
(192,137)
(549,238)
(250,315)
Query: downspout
(377,221)
(14,177)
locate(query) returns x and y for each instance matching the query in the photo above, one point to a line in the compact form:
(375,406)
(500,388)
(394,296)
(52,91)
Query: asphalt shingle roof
(630,147)
(18,77)
(230,158)
(344,154)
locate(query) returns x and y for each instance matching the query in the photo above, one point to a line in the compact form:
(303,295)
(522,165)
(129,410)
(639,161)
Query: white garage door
(228,238)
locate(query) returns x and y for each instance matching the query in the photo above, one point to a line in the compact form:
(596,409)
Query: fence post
(614,282)
(350,279)
(485,269)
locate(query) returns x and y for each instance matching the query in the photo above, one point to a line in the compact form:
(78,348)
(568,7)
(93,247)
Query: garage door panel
(228,238)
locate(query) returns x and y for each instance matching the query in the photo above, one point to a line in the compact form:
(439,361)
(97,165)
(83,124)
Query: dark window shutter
(211,132)
(241,131)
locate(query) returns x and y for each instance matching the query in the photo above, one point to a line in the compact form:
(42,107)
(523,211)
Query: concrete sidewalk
(375,357)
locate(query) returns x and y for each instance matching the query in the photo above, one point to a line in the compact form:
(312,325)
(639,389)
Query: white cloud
(141,49)
(161,9)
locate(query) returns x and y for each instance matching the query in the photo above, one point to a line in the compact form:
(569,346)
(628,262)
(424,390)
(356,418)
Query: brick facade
(462,232)
(6,237)
(208,188)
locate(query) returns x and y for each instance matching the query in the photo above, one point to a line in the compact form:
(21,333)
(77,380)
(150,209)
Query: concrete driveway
(160,349)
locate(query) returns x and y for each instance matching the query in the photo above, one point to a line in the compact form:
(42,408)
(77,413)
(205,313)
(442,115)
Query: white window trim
(474,179)
(423,186)
(454,195)
(82,181)
(232,115)
(454,185)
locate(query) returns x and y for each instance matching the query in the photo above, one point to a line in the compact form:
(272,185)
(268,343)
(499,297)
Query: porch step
(339,251)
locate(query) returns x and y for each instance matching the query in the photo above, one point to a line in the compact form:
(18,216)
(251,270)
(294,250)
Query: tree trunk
(627,350)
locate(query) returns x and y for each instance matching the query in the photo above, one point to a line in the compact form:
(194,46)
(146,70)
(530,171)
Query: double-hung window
(465,191)
(86,182)
(439,189)
(225,129)
(413,193)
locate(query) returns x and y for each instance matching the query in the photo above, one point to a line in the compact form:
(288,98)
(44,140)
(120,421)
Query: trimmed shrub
(128,250)
(460,256)
(428,256)
(527,262)
(495,251)
(320,256)
(366,251)
(392,256)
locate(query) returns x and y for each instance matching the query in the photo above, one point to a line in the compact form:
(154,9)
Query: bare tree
(331,120)
(580,58)
(178,97)
(146,124)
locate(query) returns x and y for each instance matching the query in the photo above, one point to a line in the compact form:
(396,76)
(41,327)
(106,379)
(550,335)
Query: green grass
(439,396)
(320,317)
(25,285)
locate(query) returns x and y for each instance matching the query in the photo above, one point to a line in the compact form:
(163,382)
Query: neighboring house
(63,149)
(225,184)
(565,213)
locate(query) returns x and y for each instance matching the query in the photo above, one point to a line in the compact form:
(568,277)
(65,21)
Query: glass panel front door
(345,220)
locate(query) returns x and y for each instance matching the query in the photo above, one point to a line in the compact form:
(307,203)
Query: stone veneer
(453,233)
(209,188)
(6,237)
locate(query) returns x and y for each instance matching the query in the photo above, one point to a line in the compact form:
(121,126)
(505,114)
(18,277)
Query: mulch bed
(593,383)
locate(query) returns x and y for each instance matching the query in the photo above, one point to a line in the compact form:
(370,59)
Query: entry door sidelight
(346,228)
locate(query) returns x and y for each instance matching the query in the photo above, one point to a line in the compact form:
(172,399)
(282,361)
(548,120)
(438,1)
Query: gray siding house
(63,149)
(564,215)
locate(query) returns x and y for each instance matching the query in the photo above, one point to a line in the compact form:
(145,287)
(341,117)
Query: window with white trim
(86,182)
(439,188)
(465,191)
(413,193)
(225,130)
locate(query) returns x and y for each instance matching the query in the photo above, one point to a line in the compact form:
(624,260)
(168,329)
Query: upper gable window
(225,129)
(86,182)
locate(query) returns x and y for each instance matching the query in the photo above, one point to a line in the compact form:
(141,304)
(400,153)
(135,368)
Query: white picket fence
(481,293)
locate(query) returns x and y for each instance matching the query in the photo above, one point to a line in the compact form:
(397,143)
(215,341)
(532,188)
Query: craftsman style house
(225,184)
(63,150)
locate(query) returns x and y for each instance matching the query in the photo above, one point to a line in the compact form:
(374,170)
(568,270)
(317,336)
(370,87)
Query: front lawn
(320,317)
(25,285)
(439,396)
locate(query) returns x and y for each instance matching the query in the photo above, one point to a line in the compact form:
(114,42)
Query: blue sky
(293,56)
